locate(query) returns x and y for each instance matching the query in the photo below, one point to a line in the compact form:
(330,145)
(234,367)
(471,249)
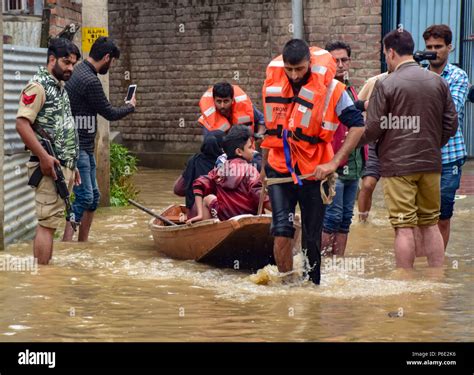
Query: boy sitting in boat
(234,188)
(199,165)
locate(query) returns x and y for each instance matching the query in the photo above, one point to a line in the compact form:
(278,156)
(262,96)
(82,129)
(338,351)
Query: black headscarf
(202,163)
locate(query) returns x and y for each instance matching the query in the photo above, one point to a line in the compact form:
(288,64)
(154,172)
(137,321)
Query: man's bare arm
(200,210)
(350,143)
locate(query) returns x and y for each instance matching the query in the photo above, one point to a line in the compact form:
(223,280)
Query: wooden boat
(242,242)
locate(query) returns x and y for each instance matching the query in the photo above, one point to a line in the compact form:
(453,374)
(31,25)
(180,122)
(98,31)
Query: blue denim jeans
(87,194)
(450,182)
(338,216)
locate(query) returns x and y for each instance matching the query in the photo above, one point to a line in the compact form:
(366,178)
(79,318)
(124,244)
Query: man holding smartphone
(88,99)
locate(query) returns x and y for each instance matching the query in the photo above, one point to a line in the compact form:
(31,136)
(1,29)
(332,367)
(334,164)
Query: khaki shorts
(413,200)
(49,205)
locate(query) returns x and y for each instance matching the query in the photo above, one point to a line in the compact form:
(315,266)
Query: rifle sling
(43,133)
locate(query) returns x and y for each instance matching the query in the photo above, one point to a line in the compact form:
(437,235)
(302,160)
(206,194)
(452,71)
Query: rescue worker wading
(303,106)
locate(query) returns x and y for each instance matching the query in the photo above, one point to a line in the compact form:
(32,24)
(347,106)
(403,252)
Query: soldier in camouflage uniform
(44,103)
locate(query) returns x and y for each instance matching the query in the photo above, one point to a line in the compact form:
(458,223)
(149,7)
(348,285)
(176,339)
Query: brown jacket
(412,115)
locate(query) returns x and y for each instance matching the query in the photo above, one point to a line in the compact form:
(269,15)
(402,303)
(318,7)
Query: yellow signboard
(89,36)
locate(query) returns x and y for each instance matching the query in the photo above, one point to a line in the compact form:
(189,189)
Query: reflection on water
(118,288)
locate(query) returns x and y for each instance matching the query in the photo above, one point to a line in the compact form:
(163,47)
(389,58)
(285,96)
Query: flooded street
(118,288)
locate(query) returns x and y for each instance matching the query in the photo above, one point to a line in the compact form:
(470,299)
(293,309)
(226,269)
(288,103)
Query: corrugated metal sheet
(19,203)
(467,65)
(416,16)
(20,63)
(19,66)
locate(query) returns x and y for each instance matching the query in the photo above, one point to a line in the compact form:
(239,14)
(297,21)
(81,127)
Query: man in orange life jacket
(224,105)
(303,106)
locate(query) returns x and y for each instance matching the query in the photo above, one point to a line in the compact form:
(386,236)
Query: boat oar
(262,197)
(150,212)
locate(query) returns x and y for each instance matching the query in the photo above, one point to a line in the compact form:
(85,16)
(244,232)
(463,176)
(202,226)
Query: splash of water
(241,287)
(269,275)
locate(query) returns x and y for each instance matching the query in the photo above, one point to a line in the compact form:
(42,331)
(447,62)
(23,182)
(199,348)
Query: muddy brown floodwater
(118,288)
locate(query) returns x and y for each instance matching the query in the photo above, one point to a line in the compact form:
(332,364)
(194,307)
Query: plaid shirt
(458,83)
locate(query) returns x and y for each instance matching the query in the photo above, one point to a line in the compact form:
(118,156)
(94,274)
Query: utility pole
(95,14)
(297,18)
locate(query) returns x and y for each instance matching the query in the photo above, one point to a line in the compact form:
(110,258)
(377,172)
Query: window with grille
(14,6)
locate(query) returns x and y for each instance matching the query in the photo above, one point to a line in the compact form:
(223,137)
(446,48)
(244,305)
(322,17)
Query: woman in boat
(198,165)
(234,188)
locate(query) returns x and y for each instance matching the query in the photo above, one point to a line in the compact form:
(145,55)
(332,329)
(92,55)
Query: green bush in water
(123,166)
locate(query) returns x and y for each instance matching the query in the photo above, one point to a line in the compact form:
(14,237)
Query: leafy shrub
(123,166)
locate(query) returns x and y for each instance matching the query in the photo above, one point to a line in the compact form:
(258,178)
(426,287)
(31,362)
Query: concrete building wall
(174,50)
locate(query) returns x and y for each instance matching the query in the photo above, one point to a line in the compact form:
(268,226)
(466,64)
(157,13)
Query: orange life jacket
(309,118)
(242,111)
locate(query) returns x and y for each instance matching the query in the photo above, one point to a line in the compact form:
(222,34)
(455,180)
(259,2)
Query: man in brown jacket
(412,115)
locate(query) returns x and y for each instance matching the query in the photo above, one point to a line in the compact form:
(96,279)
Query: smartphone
(130,93)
